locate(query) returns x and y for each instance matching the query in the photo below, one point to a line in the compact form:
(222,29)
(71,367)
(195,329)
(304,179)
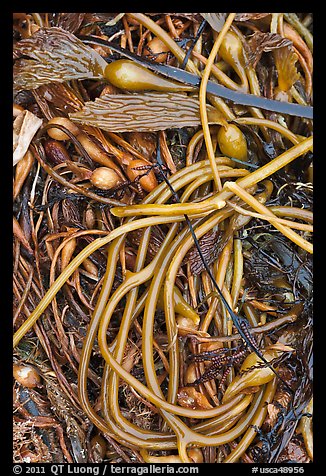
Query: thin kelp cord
(130,433)
(148,325)
(262,197)
(230,435)
(202,99)
(122,337)
(223,261)
(256,422)
(215,425)
(126,320)
(251,179)
(260,208)
(235,319)
(194,176)
(185,171)
(148,321)
(207,176)
(258,329)
(186,175)
(112,379)
(221,267)
(77,261)
(141,389)
(218,201)
(159,402)
(108,425)
(113,386)
(194,143)
(209,427)
(176,459)
(71,236)
(185,435)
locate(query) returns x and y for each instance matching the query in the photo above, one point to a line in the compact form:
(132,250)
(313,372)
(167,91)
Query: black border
(6,212)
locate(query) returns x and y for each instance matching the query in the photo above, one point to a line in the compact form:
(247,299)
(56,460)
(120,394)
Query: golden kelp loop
(162,246)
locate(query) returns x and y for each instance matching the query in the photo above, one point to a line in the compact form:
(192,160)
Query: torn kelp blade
(213,88)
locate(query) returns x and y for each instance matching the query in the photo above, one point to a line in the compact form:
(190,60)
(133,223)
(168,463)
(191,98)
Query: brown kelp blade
(145,112)
(54,55)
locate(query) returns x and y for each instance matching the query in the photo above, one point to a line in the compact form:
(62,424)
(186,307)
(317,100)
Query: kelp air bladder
(126,74)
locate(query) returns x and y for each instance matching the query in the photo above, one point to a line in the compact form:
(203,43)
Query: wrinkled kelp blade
(54,55)
(144,112)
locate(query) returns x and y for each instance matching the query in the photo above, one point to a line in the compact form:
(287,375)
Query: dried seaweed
(210,244)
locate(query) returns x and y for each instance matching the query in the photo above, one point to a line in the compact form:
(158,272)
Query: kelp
(144,112)
(163,239)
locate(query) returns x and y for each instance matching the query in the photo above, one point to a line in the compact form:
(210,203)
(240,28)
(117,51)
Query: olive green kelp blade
(144,112)
(54,55)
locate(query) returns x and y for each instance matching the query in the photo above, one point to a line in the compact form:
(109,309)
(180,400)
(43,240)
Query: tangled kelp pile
(162,237)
